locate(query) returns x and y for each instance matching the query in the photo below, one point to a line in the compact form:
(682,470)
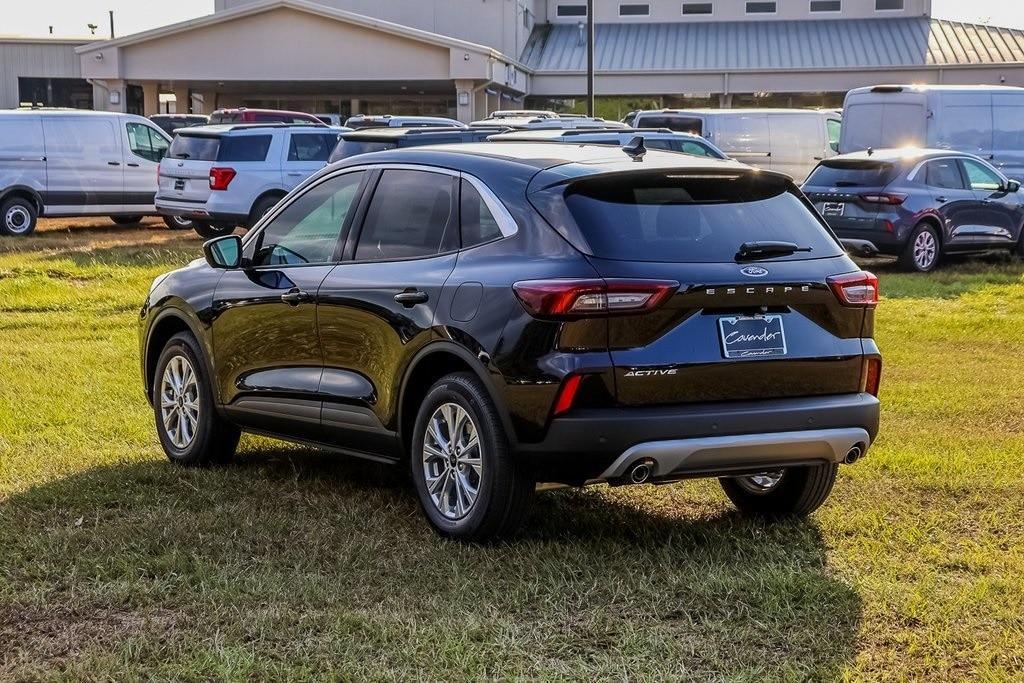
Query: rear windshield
(851,174)
(226,118)
(675,218)
(209,148)
(676,122)
(350,148)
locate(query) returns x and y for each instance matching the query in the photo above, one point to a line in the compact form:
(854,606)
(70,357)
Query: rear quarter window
(666,217)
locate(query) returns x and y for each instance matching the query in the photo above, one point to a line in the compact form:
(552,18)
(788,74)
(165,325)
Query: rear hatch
(765,324)
(185,171)
(849,192)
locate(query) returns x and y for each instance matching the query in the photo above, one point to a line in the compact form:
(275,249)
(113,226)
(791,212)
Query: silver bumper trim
(747,450)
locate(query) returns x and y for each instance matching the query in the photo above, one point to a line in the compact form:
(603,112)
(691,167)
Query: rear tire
(923,251)
(800,491)
(261,208)
(18,217)
(208,230)
(127,220)
(191,431)
(482,492)
(178,223)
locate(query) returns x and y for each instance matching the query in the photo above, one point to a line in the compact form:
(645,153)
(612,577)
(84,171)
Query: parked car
(169,123)
(918,204)
(380,139)
(791,141)
(360,121)
(982,120)
(77,163)
(658,138)
(244,115)
(333,120)
(521,113)
(563,122)
(223,176)
(495,315)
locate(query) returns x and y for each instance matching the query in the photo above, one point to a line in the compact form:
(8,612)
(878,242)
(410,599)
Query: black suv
(496,315)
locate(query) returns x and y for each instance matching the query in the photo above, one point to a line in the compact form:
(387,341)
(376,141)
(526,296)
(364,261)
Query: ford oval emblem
(754,271)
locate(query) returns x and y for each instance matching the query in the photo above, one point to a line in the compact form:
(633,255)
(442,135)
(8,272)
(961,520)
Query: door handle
(295,173)
(941,200)
(113,163)
(133,165)
(411,297)
(294,297)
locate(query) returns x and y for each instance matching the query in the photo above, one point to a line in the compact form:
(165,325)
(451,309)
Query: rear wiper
(756,250)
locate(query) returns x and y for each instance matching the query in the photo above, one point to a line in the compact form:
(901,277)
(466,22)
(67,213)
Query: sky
(70,18)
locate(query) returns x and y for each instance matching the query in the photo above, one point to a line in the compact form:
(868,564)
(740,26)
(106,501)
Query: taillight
(567,394)
(871,377)
(220,178)
(891,198)
(588,298)
(855,289)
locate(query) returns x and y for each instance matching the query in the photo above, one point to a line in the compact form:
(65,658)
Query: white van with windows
(77,163)
(984,120)
(791,141)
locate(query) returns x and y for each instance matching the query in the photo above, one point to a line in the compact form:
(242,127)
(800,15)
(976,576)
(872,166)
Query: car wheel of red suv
(469,484)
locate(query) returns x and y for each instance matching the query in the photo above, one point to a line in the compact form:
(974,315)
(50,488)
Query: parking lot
(294,563)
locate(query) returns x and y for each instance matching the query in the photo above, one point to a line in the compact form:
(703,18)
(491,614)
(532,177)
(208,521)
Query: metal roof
(775,45)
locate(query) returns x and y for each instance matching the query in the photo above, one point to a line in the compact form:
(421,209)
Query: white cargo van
(791,141)
(985,120)
(77,163)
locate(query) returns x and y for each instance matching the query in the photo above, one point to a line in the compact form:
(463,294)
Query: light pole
(590,57)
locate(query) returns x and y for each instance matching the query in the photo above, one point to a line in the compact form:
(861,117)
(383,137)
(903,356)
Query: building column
(182,100)
(150,98)
(104,94)
(354,106)
(465,104)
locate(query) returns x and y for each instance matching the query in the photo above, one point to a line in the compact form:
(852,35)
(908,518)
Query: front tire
(127,220)
(923,251)
(191,431)
(18,217)
(794,491)
(208,230)
(470,485)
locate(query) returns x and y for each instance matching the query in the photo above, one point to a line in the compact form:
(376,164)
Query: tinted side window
(695,148)
(682,124)
(309,229)
(944,173)
(478,223)
(311,146)
(145,142)
(411,214)
(244,148)
(981,178)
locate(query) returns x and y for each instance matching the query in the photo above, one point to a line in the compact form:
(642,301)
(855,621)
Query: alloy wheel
(763,482)
(925,250)
(452,460)
(179,402)
(17,219)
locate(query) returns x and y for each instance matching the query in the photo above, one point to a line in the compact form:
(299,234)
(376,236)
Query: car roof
(898,87)
(261,111)
(706,111)
(894,155)
(391,133)
(218,129)
(578,133)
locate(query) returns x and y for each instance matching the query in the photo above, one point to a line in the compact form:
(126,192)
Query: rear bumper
(587,444)
(202,211)
(870,242)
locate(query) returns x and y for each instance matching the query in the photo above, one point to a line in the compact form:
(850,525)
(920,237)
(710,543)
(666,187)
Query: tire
(261,207)
(917,256)
(208,230)
(211,440)
(178,223)
(18,217)
(1018,251)
(504,485)
(127,220)
(799,491)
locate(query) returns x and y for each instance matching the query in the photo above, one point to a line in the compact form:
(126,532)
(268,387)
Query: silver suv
(223,176)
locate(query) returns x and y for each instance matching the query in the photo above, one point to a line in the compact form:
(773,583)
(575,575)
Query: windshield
(851,174)
(690,219)
(212,148)
(195,147)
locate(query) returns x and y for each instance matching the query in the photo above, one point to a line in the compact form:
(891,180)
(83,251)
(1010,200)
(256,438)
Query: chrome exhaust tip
(854,454)
(641,471)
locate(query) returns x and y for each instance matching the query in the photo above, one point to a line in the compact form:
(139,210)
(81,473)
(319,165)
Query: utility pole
(111,12)
(590,57)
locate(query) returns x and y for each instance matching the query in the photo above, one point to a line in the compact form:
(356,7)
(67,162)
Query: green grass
(294,564)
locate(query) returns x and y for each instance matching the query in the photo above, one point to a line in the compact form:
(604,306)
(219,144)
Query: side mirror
(1013,186)
(224,252)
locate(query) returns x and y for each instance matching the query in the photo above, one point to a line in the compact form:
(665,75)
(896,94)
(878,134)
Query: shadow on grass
(646,580)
